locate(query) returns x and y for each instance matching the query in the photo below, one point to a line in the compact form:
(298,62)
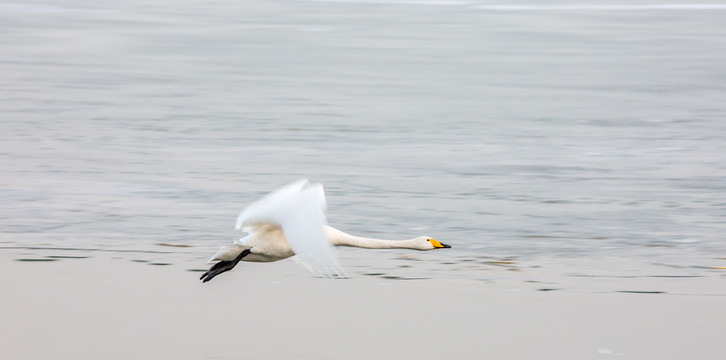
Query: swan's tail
(228,252)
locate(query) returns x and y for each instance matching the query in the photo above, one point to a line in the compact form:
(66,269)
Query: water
(510,129)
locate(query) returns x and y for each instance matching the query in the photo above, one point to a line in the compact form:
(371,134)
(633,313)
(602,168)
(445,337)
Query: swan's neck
(339,238)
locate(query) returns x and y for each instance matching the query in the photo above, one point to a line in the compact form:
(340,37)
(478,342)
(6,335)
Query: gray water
(506,129)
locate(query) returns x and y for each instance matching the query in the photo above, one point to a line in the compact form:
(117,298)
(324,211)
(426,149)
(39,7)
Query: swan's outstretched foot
(222,266)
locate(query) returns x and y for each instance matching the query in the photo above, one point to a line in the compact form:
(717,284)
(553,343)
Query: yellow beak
(438,244)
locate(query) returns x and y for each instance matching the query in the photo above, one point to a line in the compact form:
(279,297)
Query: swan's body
(291,221)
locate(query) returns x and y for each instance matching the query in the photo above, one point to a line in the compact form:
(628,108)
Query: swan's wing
(269,208)
(299,209)
(305,233)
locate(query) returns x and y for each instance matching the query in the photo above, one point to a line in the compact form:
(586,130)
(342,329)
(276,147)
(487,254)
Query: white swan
(291,221)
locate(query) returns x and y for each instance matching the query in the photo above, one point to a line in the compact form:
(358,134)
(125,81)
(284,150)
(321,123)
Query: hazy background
(577,129)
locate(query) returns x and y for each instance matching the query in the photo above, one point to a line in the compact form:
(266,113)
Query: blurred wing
(270,208)
(305,233)
(299,209)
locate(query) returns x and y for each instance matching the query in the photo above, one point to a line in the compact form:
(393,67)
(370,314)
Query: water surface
(548,131)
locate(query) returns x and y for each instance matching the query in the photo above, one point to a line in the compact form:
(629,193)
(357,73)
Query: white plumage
(291,221)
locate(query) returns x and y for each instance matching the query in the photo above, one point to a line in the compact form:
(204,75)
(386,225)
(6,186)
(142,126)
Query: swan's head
(427,243)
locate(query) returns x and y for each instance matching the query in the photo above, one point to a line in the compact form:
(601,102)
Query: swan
(291,221)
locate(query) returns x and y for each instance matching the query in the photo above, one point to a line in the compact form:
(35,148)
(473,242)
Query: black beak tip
(446,246)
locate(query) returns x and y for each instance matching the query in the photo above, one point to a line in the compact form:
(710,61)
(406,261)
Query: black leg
(223,266)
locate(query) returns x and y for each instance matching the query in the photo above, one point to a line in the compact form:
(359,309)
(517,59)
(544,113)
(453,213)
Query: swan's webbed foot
(223,266)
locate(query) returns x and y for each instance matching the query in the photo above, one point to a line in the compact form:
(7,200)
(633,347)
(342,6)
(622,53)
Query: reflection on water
(593,134)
